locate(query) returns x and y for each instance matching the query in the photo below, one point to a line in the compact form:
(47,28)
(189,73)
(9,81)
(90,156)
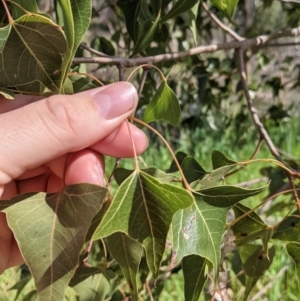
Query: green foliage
(158,229)
(227,6)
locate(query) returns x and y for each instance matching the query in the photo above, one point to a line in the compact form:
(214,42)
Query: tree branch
(264,134)
(221,24)
(247,43)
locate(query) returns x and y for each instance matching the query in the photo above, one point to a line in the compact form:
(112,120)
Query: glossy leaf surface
(143,208)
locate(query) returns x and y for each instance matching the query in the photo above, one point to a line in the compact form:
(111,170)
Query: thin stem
(19,6)
(111,177)
(88,75)
(273,161)
(143,80)
(136,163)
(263,132)
(231,224)
(149,66)
(245,44)
(186,184)
(94,51)
(221,24)
(9,17)
(121,72)
(257,148)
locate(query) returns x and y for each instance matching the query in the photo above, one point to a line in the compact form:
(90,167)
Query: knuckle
(64,117)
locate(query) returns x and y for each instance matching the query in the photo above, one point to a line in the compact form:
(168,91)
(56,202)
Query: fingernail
(115,99)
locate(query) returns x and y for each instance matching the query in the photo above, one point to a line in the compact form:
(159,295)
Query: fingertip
(85,166)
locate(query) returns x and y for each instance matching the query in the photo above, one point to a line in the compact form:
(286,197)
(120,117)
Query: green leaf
(7,94)
(214,177)
(32,54)
(146,36)
(193,13)
(77,16)
(179,156)
(194,273)
(81,83)
(121,174)
(27,5)
(4,34)
(128,253)
(20,284)
(90,284)
(178,8)
(50,230)
(288,229)
(143,208)
(199,230)
(227,6)
(248,228)
(164,105)
(255,262)
(293,250)
(192,170)
(219,160)
(131,9)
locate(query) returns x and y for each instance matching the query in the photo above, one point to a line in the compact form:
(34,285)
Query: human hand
(59,140)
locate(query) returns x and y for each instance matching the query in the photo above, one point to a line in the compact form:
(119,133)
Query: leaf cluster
(96,243)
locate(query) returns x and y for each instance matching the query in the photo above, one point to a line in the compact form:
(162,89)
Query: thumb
(46,129)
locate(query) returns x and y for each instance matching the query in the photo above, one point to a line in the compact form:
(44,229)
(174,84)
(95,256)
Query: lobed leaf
(248,228)
(143,208)
(50,230)
(40,43)
(199,230)
(163,106)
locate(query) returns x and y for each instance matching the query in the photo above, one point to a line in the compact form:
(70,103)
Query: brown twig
(264,134)
(121,71)
(245,44)
(221,24)
(94,51)
(143,80)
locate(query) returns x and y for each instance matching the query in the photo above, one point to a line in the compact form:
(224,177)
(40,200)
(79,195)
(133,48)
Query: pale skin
(48,143)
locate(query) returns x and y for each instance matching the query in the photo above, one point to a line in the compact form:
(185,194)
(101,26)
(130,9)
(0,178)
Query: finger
(34,184)
(10,190)
(85,166)
(18,102)
(44,130)
(120,142)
